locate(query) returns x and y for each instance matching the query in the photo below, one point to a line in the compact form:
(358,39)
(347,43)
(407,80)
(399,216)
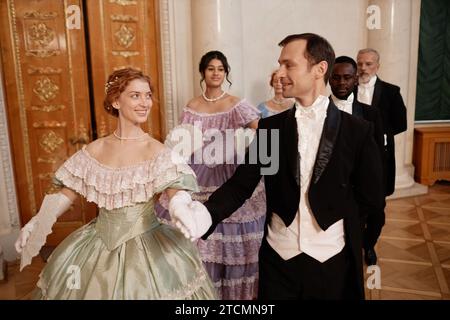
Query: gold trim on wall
(46,176)
(49,160)
(40,15)
(69,57)
(125,54)
(43,70)
(49,124)
(50,141)
(21,100)
(123,2)
(123,18)
(127,66)
(102,128)
(125,36)
(48,108)
(46,89)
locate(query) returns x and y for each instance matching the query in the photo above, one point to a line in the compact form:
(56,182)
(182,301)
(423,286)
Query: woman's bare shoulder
(195,103)
(233,100)
(97,146)
(154,147)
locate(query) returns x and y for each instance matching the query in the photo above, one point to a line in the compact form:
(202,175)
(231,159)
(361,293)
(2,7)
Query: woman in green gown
(124,253)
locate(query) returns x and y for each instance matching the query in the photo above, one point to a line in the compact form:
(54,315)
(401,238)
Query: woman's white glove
(191,217)
(25,234)
(34,234)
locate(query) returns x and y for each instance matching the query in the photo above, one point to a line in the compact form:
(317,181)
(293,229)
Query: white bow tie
(308,113)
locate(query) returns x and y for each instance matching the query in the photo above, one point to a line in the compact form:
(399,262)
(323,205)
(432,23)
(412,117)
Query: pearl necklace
(131,138)
(276,101)
(213,99)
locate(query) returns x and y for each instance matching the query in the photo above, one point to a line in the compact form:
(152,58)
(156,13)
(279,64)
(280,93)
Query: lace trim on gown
(238,116)
(113,188)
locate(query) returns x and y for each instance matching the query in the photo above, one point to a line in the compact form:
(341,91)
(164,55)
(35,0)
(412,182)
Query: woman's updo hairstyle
(117,83)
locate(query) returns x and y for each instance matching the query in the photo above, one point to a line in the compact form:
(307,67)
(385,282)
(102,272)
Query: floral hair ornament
(109,84)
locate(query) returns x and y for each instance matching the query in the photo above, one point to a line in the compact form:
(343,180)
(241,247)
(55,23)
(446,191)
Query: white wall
(266,22)
(9,218)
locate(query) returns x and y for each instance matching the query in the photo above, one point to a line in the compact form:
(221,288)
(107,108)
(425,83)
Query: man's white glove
(34,234)
(191,217)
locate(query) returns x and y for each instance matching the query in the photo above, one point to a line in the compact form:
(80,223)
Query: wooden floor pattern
(414,248)
(413,251)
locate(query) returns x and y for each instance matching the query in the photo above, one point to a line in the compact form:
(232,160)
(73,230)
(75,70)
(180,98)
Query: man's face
(367,66)
(343,80)
(296,76)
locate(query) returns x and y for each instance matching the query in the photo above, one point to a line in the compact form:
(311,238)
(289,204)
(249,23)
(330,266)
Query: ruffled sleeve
(240,115)
(247,112)
(172,172)
(113,188)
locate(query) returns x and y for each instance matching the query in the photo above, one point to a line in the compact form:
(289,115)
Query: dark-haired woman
(231,253)
(124,253)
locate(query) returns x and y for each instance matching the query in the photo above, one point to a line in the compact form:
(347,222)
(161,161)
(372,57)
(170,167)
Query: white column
(217,25)
(397,42)
(177,68)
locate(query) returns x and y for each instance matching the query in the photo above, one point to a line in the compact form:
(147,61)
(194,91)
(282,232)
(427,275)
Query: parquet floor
(413,251)
(414,247)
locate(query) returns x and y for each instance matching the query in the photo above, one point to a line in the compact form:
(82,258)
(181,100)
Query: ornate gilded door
(54,97)
(123,33)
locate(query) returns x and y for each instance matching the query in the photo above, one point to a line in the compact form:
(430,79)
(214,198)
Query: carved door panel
(51,110)
(47,98)
(123,33)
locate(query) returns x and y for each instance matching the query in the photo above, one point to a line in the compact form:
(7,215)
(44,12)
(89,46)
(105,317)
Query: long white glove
(191,217)
(34,234)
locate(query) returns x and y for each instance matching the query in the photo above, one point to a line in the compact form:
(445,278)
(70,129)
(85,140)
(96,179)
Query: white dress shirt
(304,234)
(365,91)
(344,105)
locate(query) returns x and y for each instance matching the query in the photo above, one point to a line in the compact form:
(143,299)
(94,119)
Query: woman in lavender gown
(230,254)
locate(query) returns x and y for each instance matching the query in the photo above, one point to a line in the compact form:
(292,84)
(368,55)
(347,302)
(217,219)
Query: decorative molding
(72,85)
(125,54)
(123,18)
(123,2)
(40,15)
(49,124)
(40,35)
(127,66)
(21,101)
(102,128)
(83,135)
(48,108)
(166,56)
(42,53)
(43,70)
(125,36)
(46,89)
(46,176)
(49,160)
(50,142)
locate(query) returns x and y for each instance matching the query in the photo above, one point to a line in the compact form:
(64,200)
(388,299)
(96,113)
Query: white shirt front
(344,105)
(365,91)
(304,234)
